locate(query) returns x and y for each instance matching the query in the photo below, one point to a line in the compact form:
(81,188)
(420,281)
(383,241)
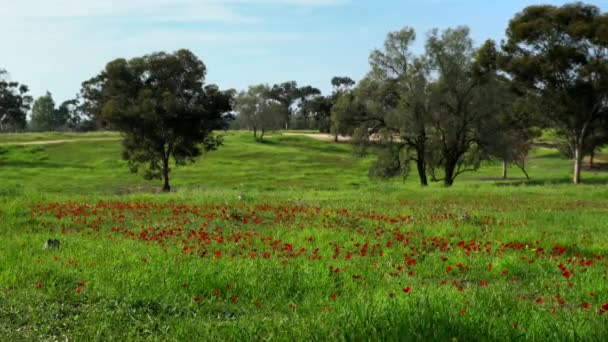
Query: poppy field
(386,262)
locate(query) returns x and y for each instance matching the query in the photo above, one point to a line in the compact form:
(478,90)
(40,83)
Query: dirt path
(319,136)
(51,142)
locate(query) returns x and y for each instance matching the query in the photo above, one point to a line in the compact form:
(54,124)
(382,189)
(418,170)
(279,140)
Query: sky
(55,45)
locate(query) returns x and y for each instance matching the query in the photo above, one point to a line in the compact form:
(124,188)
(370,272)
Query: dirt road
(51,142)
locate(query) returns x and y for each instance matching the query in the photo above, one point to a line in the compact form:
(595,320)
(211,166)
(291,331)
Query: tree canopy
(162,106)
(560,56)
(14,104)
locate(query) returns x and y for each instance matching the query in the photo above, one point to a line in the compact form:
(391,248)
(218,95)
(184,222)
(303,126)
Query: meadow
(290,240)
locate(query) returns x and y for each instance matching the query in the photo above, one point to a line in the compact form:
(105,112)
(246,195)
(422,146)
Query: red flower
(603,308)
(567,274)
(459,265)
(484,283)
(463,312)
(234,298)
(407,289)
(489,267)
(356,276)
(539,300)
(197,299)
(334,296)
(448,269)
(586,305)
(82,283)
(38,286)
(505,271)
(144,259)
(257,303)
(78,289)
(294,306)
(349,256)
(217,292)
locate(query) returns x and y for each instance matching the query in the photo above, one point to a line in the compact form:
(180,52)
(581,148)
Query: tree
(286,93)
(560,54)
(463,95)
(407,112)
(161,105)
(43,112)
(259,111)
(14,104)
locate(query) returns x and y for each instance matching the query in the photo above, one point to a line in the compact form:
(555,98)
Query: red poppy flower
(463,312)
(334,296)
(78,290)
(197,299)
(603,308)
(216,292)
(448,269)
(82,283)
(234,298)
(257,303)
(586,305)
(505,271)
(407,289)
(489,267)
(38,286)
(484,283)
(539,300)
(294,306)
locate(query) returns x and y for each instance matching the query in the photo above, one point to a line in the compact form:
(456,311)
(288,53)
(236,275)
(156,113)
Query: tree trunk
(262,136)
(578,162)
(421,164)
(166,187)
(255,132)
(592,159)
(505,168)
(336,137)
(450,168)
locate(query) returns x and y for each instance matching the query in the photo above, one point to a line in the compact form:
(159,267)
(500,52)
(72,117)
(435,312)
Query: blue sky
(55,45)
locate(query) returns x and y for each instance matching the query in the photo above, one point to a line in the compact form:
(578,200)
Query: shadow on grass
(41,164)
(554,181)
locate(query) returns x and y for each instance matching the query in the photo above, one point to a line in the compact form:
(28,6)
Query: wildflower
(484,283)
(38,286)
(334,296)
(586,305)
(82,283)
(197,299)
(603,308)
(463,312)
(539,300)
(294,306)
(234,298)
(448,269)
(216,292)
(489,267)
(407,289)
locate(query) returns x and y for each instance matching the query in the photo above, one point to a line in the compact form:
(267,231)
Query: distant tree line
(444,110)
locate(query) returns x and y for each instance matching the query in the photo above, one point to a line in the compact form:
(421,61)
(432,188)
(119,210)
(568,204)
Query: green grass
(151,264)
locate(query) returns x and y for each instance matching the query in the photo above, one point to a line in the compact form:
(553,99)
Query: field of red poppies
(242,270)
(296,249)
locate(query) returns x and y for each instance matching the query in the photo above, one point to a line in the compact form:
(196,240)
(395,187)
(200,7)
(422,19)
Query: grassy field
(289,240)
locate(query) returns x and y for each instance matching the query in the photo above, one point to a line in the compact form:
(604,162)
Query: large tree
(161,105)
(560,55)
(406,115)
(463,96)
(14,104)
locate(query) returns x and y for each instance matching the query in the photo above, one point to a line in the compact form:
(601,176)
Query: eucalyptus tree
(259,111)
(463,96)
(560,54)
(163,108)
(14,104)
